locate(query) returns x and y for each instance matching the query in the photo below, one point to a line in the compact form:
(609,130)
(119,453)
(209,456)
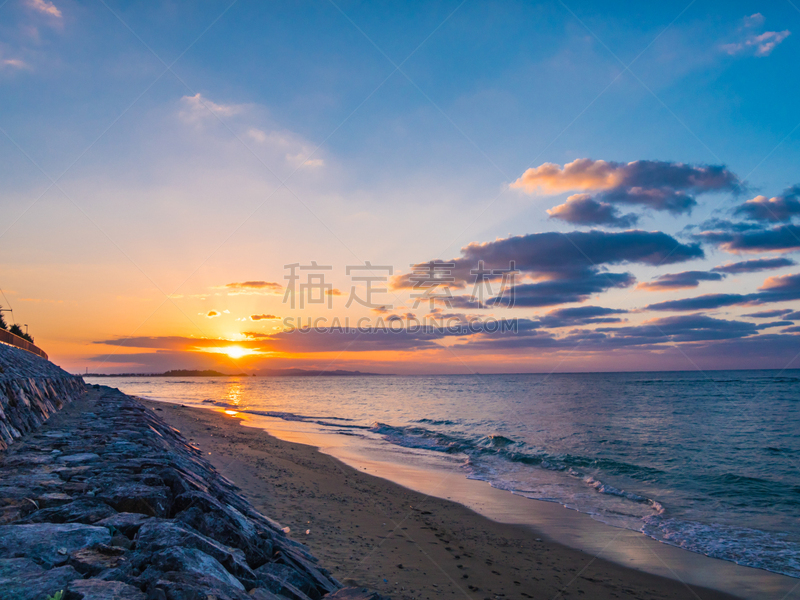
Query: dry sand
(371,532)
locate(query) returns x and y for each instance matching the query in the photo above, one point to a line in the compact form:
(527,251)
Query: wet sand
(369,531)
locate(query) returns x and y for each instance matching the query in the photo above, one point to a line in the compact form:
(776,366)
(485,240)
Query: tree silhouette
(17,330)
(2,320)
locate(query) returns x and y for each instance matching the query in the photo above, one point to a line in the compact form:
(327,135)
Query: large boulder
(264,594)
(305,563)
(82,510)
(354,593)
(158,534)
(279,584)
(49,544)
(126,523)
(80,457)
(23,579)
(192,561)
(92,561)
(189,586)
(274,576)
(95,589)
(154,501)
(225,524)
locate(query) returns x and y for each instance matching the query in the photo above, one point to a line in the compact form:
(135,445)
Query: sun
(232,350)
(236,351)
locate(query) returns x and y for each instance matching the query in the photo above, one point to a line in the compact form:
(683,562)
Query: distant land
(260,373)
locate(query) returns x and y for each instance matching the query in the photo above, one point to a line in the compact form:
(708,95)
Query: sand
(371,532)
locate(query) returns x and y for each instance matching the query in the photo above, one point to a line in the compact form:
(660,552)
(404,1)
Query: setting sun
(237,351)
(232,351)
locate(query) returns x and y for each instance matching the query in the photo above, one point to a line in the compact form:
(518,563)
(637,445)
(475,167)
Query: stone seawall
(105,501)
(31,390)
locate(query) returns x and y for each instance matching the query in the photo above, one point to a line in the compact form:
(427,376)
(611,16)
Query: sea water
(709,462)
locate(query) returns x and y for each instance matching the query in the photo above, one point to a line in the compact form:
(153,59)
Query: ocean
(709,462)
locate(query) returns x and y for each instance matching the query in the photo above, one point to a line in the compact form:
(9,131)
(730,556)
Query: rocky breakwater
(106,501)
(31,389)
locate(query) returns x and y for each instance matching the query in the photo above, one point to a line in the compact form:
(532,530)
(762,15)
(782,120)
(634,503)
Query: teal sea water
(709,462)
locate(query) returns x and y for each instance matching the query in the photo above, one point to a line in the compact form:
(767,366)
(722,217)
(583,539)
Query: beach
(371,532)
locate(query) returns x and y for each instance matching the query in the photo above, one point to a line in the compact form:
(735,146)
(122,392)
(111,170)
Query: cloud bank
(657,185)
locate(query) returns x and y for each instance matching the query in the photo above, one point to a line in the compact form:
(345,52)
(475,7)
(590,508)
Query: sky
(564,186)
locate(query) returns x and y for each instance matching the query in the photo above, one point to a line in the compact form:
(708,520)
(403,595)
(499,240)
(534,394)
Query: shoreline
(371,531)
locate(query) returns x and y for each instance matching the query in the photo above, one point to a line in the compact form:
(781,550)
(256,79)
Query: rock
(286,574)
(94,589)
(126,523)
(14,509)
(28,459)
(183,532)
(67,473)
(23,579)
(264,594)
(158,534)
(47,543)
(27,478)
(82,510)
(179,481)
(278,585)
(185,586)
(192,561)
(82,457)
(354,593)
(53,499)
(120,541)
(224,524)
(298,561)
(137,498)
(91,561)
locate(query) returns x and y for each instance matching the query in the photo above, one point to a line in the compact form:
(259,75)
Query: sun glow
(237,351)
(233,351)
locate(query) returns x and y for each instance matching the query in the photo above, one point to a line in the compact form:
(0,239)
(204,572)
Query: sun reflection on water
(234,394)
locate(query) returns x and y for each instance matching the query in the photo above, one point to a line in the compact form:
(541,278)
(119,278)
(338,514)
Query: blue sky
(174,124)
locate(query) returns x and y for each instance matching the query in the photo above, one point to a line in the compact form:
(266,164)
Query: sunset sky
(162,163)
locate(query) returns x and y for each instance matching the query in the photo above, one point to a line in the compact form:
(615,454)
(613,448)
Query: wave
(605,488)
(325,420)
(494,457)
(773,551)
(518,452)
(436,422)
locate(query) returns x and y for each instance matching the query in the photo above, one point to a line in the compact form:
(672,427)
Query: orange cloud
(778,281)
(45,7)
(252,287)
(580,174)
(257,285)
(262,317)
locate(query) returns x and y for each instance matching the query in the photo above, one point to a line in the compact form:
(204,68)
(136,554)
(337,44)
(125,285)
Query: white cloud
(296,151)
(755,20)
(14,63)
(43,6)
(755,44)
(197,108)
(302,159)
(234,126)
(258,135)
